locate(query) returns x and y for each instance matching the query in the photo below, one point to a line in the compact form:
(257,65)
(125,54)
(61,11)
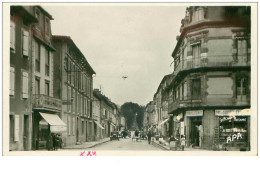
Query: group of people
(54,141)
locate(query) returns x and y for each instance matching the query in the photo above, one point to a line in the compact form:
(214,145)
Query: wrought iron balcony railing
(44,101)
(212,61)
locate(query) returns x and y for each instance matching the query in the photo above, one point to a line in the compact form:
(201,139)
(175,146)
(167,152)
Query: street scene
(137,78)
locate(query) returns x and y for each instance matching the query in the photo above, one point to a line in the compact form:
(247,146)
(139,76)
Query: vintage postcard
(95,79)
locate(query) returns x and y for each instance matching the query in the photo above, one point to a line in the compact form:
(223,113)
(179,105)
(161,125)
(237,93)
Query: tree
(133,114)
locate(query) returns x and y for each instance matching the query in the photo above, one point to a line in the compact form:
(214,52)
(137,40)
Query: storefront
(233,132)
(44,125)
(178,125)
(163,128)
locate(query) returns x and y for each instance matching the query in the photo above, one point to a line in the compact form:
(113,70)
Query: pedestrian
(149,136)
(54,139)
(182,142)
(50,142)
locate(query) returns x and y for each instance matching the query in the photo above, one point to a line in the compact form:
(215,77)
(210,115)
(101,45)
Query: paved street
(126,144)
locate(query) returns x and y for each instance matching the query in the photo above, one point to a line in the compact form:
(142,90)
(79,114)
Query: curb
(160,146)
(87,146)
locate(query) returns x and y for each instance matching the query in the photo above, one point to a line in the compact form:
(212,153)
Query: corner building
(210,93)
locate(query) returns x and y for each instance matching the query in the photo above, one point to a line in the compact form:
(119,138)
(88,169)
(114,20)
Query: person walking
(182,142)
(149,136)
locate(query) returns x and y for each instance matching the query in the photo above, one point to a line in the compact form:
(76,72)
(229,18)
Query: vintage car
(114,135)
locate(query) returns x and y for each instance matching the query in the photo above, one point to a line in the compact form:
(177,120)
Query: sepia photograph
(90,79)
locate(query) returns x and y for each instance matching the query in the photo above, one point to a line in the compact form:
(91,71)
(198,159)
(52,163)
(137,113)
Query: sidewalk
(88,144)
(164,147)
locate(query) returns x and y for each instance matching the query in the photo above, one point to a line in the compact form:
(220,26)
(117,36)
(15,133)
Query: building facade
(74,86)
(209,96)
(20,95)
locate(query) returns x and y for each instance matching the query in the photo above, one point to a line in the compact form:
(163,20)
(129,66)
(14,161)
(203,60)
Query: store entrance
(196,131)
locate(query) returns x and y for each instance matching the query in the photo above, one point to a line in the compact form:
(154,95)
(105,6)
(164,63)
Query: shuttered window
(12,81)
(25,85)
(12,35)
(16,128)
(25,43)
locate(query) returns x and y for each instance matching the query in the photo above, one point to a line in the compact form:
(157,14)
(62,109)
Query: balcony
(212,61)
(46,102)
(176,104)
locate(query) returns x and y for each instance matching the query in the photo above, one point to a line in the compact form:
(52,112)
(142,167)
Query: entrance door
(86,131)
(77,132)
(195,131)
(25,132)
(95,132)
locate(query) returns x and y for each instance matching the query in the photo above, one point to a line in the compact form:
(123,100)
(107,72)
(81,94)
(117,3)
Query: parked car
(114,135)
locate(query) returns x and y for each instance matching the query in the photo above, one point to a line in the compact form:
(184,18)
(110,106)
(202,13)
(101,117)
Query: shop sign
(58,128)
(229,119)
(197,113)
(234,137)
(233,112)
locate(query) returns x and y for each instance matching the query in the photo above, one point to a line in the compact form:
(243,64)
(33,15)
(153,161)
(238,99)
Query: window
(241,88)
(242,50)
(37,86)
(47,88)
(12,81)
(198,14)
(47,62)
(196,50)
(185,90)
(37,57)
(25,85)
(82,127)
(69,99)
(47,26)
(12,35)
(25,43)
(195,89)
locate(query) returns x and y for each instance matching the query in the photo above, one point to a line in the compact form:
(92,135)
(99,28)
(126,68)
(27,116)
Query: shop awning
(99,125)
(233,112)
(57,125)
(164,122)
(113,124)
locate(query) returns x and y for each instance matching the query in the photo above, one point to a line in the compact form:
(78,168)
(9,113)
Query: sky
(119,40)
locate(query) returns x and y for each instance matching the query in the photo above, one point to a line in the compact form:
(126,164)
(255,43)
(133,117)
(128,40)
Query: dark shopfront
(233,132)
(43,125)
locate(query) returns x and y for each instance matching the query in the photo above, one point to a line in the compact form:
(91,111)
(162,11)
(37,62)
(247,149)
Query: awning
(99,125)
(164,122)
(233,112)
(57,125)
(113,124)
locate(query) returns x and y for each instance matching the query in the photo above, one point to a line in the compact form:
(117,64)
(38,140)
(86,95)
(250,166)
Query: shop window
(233,131)
(12,81)
(47,62)
(25,45)
(12,35)
(195,89)
(25,85)
(37,57)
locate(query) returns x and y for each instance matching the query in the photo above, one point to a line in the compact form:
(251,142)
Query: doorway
(196,131)
(86,131)
(77,132)
(25,132)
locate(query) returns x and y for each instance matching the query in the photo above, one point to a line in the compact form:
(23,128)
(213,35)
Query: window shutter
(12,81)
(25,85)
(12,35)
(25,43)
(16,128)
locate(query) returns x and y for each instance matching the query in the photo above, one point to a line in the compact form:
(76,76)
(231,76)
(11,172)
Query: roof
(164,78)
(45,12)
(100,96)
(70,41)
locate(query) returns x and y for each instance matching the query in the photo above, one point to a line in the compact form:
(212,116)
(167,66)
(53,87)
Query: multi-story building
(74,86)
(20,117)
(96,107)
(211,88)
(45,107)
